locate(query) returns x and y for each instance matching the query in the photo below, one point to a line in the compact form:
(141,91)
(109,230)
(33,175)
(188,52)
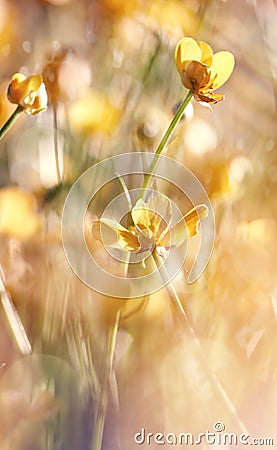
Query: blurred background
(83,371)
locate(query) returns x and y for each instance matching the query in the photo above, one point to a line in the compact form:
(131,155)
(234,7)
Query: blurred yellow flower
(93,112)
(202,71)
(174,18)
(151,230)
(18,217)
(29,93)
(120,8)
(9,23)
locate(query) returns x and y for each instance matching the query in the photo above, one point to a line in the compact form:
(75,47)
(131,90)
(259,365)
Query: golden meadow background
(117,86)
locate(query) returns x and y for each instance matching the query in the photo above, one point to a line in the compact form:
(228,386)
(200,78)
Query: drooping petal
(207,53)
(105,231)
(187,49)
(221,68)
(208,97)
(188,226)
(114,235)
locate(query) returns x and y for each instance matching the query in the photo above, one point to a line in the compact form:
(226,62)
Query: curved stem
(10,121)
(176,119)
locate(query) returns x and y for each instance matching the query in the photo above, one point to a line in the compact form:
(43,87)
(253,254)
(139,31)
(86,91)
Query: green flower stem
(152,61)
(176,119)
(5,128)
(188,331)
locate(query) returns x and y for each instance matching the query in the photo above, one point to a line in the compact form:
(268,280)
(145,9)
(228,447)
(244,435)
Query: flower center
(146,240)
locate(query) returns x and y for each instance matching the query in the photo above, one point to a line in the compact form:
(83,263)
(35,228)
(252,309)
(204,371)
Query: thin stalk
(5,128)
(13,319)
(152,61)
(176,119)
(100,414)
(56,143)
(189,332)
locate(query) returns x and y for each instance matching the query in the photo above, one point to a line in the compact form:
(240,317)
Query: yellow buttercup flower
(172,17)
(151,229)
(201,71)
(28,93)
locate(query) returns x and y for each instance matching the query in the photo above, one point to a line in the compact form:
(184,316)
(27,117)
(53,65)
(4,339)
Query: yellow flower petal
(34,82)
(152,215)
(128,240)
(187,49)
(188,226)
(221,68)
(207,53)
(17,88)
(36,101)
(18,77)
(105,231)
(114,235)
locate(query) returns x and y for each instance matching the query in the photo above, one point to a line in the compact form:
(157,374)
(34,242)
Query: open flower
(202,71)
(28,93)
(151,228)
